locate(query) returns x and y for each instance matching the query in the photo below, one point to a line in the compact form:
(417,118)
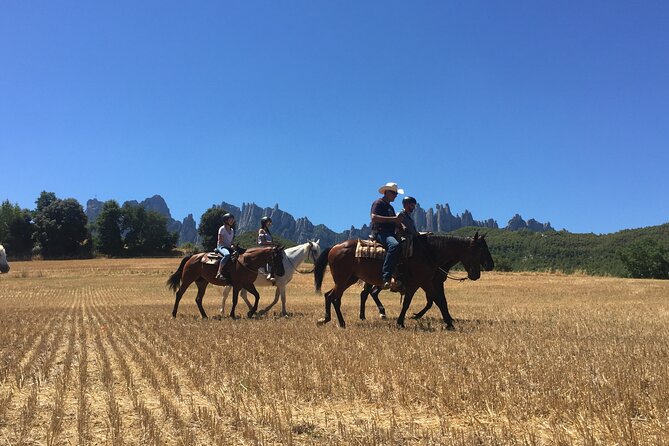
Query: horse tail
(319,269)
(175,279)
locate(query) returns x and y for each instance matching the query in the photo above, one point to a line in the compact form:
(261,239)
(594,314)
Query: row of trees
(59,228)
(638,253)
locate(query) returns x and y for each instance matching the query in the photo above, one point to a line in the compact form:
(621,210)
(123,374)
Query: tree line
(637,253)
(59,228)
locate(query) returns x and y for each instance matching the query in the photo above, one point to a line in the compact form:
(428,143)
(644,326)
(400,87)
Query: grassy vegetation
(567,252)
(90,355)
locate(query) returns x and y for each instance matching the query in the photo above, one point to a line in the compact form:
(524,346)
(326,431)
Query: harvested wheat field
(89,354)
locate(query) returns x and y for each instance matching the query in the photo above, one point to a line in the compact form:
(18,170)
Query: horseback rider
(265,239)
(226,234)
(407,227)
(384,223)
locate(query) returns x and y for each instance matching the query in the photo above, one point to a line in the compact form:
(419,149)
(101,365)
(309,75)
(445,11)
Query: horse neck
(449,250)
(293,259)
(256,258)
(297,254)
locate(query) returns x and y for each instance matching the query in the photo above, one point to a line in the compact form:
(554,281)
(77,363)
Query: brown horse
(430,252)
(440,277)
(243,273)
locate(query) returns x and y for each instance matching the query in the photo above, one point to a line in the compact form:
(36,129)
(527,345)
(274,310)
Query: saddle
(371,249)
(214,258)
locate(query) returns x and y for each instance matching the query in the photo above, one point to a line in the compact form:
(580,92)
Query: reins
(239,260)
(448,275)
(295,267)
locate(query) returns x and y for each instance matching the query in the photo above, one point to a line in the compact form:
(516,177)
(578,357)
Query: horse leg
(235,296)
(422,312)
(375,295)
(336,301)
(252,310)
(269,307)
(336,296)
(226,293)
(440,300)
(180,292)
(201,288)
(243,294)
(405,306)
(282,291)
(364,294)
(328,305)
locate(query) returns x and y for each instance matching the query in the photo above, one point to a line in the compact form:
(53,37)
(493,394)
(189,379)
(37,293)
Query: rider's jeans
(388,240)
(225,252)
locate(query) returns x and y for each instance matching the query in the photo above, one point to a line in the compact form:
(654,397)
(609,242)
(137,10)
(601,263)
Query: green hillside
(630,253)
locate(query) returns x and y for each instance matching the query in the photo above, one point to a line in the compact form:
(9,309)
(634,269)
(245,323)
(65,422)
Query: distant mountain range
(440,219)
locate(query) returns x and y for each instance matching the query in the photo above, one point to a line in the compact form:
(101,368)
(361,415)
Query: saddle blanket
(370,249)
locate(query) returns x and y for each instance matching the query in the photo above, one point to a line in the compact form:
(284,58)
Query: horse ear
(476,236)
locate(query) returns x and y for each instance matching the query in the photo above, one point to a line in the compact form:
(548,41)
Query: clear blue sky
(558,111)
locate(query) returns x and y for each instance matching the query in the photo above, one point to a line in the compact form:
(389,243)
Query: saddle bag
(369,249)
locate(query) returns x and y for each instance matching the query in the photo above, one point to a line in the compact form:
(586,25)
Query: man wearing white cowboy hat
(384,222)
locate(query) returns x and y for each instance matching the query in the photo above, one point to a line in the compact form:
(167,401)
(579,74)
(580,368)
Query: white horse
(4,266)
(292,259)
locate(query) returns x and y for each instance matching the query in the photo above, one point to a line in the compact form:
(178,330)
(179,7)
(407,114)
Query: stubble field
(89,354)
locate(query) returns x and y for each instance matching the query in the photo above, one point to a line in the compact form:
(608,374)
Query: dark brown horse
(440,277)
(430,252)
(243,273)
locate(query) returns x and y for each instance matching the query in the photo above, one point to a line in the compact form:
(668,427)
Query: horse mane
(445,241)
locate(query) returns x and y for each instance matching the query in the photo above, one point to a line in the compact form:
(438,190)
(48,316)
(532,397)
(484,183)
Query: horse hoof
(400,325)
(362,318)
(321,322)
(415,316)
(450,327)
(383,316)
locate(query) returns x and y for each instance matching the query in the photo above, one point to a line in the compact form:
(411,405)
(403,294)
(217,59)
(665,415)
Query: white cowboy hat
(392,187)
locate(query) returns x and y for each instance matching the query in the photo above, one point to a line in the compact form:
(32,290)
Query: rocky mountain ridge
(439,219)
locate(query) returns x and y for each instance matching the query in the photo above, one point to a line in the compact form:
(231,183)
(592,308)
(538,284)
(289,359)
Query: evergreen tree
(108,239)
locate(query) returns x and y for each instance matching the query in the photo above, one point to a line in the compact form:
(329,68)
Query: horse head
(477,257)
(314,250)
(4,266)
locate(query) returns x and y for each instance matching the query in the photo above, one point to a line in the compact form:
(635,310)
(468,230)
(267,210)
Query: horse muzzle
(4,269)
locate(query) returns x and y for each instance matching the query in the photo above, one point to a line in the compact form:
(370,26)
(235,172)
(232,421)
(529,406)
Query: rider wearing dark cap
(408,228)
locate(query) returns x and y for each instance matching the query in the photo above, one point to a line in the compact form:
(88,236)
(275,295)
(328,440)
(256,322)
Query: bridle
(256,270)
(311,252)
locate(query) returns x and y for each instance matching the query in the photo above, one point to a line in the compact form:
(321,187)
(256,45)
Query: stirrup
(396,285)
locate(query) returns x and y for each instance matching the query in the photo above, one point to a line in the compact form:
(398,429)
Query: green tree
(646,259)
(60,227)
(108,238)
(16,230)
(145,232)
(210,222)
(45,199)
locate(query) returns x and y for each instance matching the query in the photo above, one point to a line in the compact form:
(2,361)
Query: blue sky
(558,111)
